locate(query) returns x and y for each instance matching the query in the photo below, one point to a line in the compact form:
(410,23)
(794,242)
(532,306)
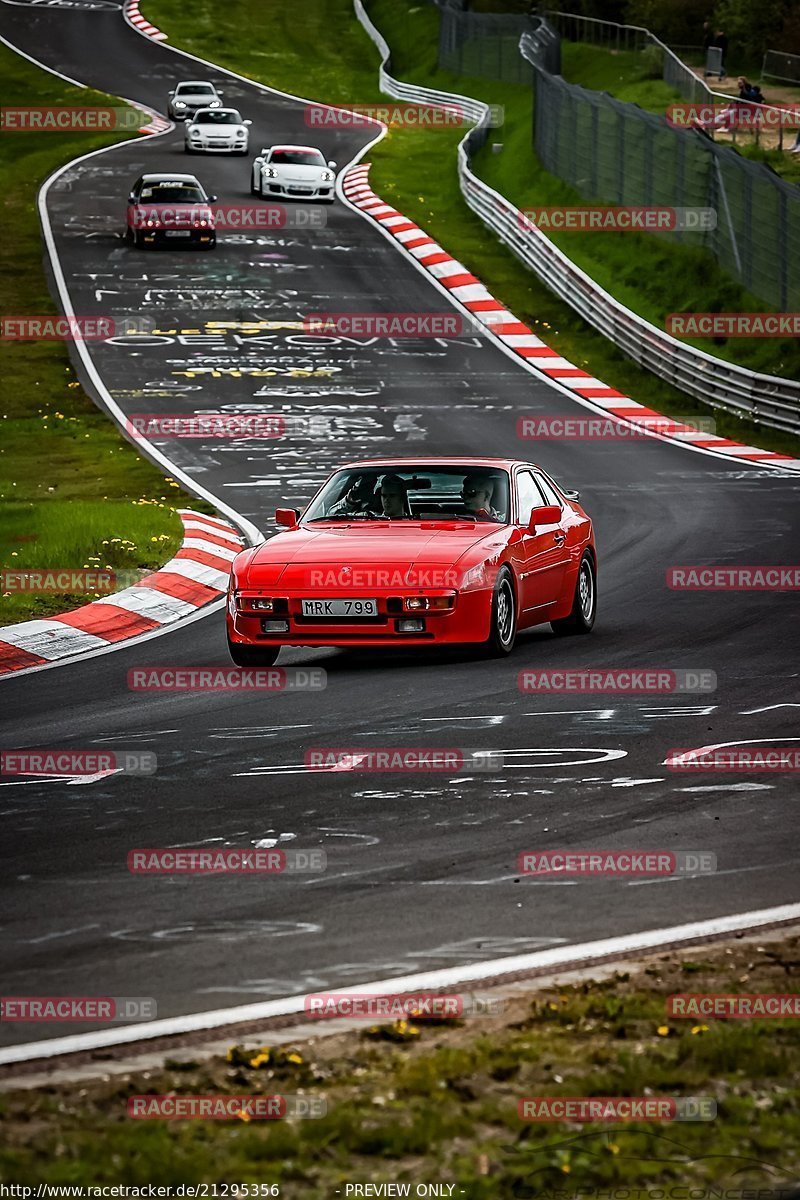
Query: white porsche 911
(299,172)
(217,131)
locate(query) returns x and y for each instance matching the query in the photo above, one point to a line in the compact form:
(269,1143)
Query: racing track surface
(421,868)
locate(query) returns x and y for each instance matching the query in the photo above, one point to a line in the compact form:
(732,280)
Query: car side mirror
(287,517)
(331,163)
(172,93)
(548,514)
(247,122)
(131,198)
(211,199)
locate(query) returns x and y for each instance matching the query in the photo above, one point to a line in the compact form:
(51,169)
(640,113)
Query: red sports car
(424,551)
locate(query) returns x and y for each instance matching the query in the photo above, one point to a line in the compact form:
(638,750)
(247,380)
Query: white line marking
(550,959)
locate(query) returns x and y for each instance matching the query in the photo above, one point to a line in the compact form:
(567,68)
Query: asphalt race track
(421,868)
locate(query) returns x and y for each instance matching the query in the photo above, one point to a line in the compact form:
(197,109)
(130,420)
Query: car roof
(207,108)
(449,461)
(187,83)
(316,149)
(171,175)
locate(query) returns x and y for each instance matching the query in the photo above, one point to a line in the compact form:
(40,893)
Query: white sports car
(299,172)
(217,131)
(187,98)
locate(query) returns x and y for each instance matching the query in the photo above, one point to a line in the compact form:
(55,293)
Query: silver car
(187,98)
(217,131)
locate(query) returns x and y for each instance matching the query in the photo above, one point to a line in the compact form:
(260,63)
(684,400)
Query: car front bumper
(298,191)
(216,145)
(178,237)
(467,622)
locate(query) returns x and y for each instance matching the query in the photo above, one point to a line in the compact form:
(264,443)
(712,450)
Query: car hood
(286,556)
(207,128)
(297,170)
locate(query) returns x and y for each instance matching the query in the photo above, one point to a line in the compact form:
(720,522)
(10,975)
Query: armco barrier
(765,399)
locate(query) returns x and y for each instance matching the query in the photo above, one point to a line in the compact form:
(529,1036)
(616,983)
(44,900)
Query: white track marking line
(551,959)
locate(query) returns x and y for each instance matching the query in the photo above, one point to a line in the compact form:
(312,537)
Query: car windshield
(306,158)
(172,193)
(194,89)
(409,492)
(217,116)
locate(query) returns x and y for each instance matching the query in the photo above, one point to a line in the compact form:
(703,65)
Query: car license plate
(178,233)
(340,608)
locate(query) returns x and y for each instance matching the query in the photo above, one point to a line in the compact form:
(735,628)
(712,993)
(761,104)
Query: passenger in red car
(477,492)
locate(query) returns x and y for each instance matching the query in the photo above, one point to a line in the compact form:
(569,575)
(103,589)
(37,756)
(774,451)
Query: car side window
(528,496)
(549,493)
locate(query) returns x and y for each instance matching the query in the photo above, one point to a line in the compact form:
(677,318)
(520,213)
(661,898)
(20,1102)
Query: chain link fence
(778,65)
(619,154)
(485,45)
(612,36)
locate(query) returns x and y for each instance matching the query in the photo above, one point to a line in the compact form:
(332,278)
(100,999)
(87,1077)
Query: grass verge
(74,493)
(416,171)
(437,1102)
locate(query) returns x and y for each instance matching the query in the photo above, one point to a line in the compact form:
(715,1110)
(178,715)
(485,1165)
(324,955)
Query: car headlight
(215,104)
(241,132)
(270,172)
(194,131)
(474,576)
(326,176)
(179,104)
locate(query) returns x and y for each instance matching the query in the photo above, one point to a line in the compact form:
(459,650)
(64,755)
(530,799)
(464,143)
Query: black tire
(253,656)
(503,631)
(584,604)
(138,239)
(253,188)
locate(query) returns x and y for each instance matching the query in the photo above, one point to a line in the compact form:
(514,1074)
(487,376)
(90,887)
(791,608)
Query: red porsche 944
(429,551)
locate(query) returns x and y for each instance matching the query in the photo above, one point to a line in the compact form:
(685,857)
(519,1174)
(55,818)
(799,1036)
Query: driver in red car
(477,492)
(394,501)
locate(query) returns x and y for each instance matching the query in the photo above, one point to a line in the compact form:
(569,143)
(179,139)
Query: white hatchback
(293,172)
(217,131)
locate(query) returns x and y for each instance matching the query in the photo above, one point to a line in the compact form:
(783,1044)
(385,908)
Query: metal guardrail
(766,399)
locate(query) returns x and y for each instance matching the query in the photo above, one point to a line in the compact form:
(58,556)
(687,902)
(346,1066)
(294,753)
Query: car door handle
(559,538)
